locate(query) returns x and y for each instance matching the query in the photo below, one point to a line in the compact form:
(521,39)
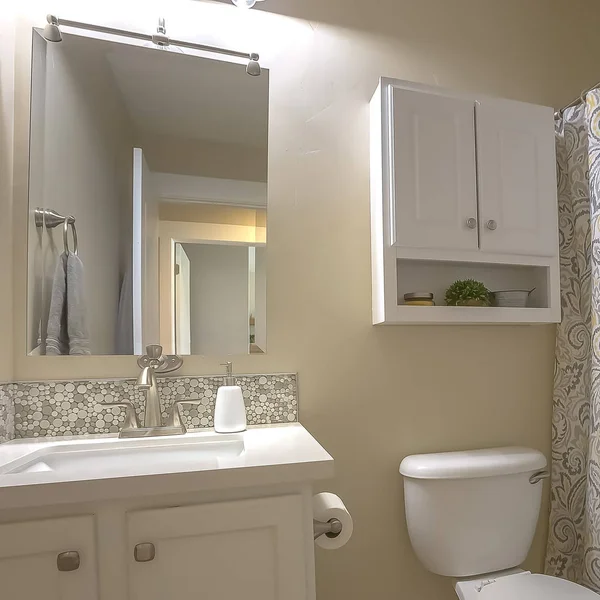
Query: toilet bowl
(472,516)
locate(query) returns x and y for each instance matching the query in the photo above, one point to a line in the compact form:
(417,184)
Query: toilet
(472,516)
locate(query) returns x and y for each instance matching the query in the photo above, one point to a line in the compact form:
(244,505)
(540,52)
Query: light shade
(244,3)
(51,31)
(253,68)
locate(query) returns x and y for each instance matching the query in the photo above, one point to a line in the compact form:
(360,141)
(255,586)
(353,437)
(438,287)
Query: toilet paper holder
(331,528)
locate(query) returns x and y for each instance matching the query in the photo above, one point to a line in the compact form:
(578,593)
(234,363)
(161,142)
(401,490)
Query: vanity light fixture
(52,33)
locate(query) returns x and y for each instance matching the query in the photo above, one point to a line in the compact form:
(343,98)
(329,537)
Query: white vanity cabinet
(252,549)
(235,523)
(54,559)
(462,187)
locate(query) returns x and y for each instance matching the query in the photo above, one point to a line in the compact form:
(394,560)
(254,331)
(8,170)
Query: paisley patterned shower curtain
(574,535)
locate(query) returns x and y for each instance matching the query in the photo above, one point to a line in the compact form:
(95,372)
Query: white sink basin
(47,471)
(117,457)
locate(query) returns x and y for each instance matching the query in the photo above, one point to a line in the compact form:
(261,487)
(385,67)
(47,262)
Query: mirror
(147,201)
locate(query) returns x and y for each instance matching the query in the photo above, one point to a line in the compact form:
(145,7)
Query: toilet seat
(534,587)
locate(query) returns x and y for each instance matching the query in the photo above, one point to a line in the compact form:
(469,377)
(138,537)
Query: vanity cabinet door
(34,563)
(251,549)
(433,171)
(516,164)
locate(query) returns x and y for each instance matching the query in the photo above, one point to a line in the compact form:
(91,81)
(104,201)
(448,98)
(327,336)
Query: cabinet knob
(68,561)
(471,223)
(491,225)
(144,552)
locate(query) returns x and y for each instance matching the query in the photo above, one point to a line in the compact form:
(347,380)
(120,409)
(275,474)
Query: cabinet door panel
(28,553)
(251,549)
(517,178)
(433,170)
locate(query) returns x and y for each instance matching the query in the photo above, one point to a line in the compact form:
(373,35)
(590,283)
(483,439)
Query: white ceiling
(170,93)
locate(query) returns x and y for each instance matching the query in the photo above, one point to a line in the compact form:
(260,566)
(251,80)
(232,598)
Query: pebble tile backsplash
(55,408)
(7,414)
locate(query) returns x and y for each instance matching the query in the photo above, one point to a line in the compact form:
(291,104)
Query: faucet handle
(174,419)
(154,351)
(131,420)
(161,363)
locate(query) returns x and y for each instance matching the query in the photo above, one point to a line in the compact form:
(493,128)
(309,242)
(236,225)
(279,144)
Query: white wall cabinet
(516,168)
(461,184)
(251,549)
(32,555)
(434,178)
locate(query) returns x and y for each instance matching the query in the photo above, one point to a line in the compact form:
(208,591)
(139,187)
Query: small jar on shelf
(419,299)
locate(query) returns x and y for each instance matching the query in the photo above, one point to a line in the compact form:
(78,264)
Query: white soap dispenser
(230,410)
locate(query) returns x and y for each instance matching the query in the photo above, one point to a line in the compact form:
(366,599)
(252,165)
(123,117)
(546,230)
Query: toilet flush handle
(537,477)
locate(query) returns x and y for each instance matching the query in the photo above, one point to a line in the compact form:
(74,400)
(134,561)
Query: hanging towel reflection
(67,331)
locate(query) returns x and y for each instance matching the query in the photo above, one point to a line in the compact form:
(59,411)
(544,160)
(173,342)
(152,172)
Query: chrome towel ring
(70,220)
(49,218)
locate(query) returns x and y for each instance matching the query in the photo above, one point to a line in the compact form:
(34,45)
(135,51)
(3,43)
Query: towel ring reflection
(46,217)
(70,220)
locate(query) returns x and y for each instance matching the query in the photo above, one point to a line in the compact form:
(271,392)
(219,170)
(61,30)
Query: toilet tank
(475,512)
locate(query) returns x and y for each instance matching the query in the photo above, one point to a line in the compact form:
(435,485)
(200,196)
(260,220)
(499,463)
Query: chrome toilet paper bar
(332,523)
(331,528)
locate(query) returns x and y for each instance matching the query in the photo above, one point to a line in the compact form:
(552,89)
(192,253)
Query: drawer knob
(68,561)
(144,552)
(471,223)
(491,225)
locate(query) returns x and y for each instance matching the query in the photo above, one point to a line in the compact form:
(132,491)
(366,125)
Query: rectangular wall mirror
(147,201)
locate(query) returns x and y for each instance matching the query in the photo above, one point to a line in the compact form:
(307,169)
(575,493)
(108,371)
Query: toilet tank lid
(473,463)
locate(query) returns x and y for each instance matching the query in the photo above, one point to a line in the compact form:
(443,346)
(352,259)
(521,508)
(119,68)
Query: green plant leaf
(463,290)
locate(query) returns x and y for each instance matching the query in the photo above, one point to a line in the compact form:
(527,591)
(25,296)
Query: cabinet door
(433,171)
(250,549)
(29,560)
(517,178)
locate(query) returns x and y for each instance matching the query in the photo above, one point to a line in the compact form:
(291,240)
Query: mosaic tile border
(59,408)
(7,414)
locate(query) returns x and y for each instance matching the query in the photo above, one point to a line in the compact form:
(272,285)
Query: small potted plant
(468,292)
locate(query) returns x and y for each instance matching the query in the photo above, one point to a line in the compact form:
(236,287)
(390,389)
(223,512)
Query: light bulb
(244,3)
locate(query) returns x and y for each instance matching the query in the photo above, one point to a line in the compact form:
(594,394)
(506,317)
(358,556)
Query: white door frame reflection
(172,233)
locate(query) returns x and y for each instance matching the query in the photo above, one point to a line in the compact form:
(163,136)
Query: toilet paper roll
(329,506)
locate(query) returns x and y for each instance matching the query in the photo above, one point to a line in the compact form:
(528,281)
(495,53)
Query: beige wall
(219,297)
(195,212)
(372,395)
(203,158)
(7,40)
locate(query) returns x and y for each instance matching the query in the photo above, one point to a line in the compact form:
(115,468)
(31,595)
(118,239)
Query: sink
(44,471)
(117,457)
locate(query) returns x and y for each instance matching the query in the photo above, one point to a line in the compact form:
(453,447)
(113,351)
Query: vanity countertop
(44,471)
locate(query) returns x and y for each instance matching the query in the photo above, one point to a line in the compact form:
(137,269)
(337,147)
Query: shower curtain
(574,535)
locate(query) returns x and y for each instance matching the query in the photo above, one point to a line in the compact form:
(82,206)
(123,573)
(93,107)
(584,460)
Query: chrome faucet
(154,361)
(147,382)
